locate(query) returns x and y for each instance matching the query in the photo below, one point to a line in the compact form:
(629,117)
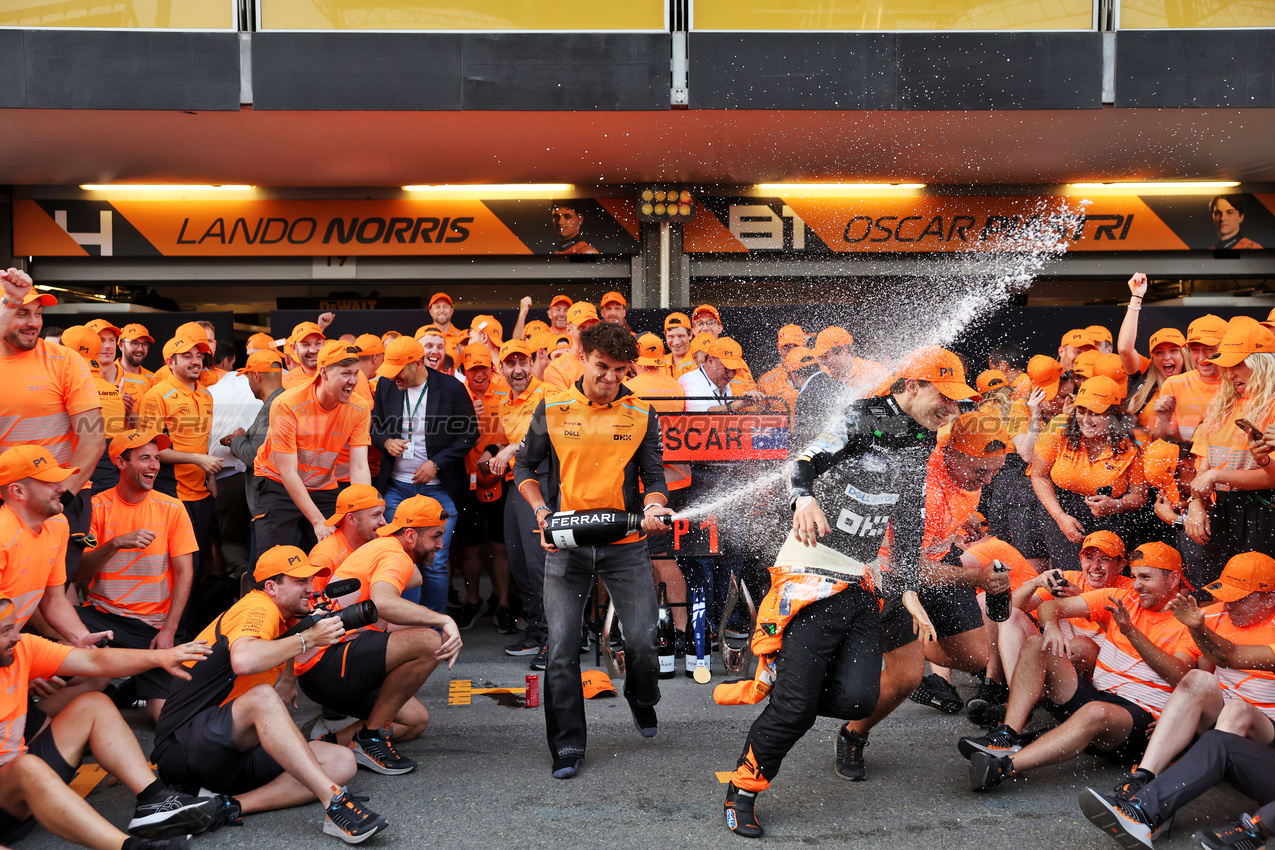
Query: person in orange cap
(234,689)
(558,307)
(706,320)
(307,341)
(135,379)
(827,391)
(1168,356)
(565,371)
(709,388)
(1228,512)
(887,438)
(1074,342)
(441,311)
(677,336)
(110,336)
(371,354)
(1101,336)
(1089,475)
(777,381)
(115,411)
(360,511)
(613,308)
(1185,398)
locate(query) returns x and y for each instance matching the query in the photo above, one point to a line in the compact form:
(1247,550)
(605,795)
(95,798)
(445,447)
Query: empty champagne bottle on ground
(599,527)
(665,636)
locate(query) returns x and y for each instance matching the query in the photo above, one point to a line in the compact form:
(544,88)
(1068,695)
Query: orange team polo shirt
(137,583)
(297,377)
(1227,446)
(1193,395)
(254,616)
(776,383)
(649,385)
(947,508)
(33,658)
(31,560)
(382,559)
(186,416)
(1071,469)
(135,385)
(490,431)
(564,372)
(1120,669)
(45,386)
(114,419)
(330,552)
(690,364)
(1253,686)
(515,413)
(300,425)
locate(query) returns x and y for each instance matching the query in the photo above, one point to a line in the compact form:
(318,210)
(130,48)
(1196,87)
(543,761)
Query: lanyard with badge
(411,416)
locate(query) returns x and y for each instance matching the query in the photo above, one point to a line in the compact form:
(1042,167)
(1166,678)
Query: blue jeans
(433,590)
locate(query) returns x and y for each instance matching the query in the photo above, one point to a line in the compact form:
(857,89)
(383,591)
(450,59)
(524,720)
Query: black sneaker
(937,692)
(1003,741)
(741,812)
(170,814)
(1132,784)
(541,661)
(351,821)
(849,751)
(373,750)
(469,614)
(644,719)
(989,695)
(523,648)
(1123,820)
(229,812)
(504,620)
(989,771)
(1244,834)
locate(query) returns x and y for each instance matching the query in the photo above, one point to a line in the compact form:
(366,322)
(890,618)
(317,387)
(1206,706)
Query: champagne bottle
(664,636)
(572,529)
(998,603)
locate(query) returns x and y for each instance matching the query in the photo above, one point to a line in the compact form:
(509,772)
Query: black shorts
(130,633)
(43,747)
(347,678)
(1139,736)
(202,754)
(896,625)
(952,610)
(481,522)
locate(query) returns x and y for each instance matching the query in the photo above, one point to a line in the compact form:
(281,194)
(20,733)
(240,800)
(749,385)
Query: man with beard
(441,311)
(135,379)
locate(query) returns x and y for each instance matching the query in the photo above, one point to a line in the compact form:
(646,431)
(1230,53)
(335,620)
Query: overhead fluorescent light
(837,188)
(163,187)
(1161,186)
(490,188)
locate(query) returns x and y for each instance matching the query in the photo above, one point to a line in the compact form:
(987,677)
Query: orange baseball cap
(260,362)
(1098,334)
(941,368)
(287,561)
(1083,365)
(1078,338)
(728,351)
(398,354)
(439,296)
(1106,542)
(136,332)
(613,298)
(1270,320)
(1099,394)
(389,335)
(970,435)
(99,325)
(369,345)
(1160,460)
(650,350)
(427,329)
(1110,366)
(830,338)
(992,379)
(256,342)
(32,462)
(1206,330)
(799,358)
(45,299)
(83,340)
(333,352)
(1248,572)
(1045,373)
(581,312)
(1167,336)
(560,341)
(539,340)
(560,299)
(475,354)
(516,346)
(133,439)
(416,512)
(1244,336)
(676,320)
(792,335)
(192,330)
(304,330)
(596,683)
(706,308)
(356,497)
(1162,556)
(180,345)
(489,326)
(535,326)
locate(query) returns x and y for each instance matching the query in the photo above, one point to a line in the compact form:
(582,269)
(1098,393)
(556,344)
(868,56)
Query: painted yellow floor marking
(460,691)
(723,776)
(87,778)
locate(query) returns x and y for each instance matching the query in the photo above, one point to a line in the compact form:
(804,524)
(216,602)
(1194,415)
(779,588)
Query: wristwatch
(543,508)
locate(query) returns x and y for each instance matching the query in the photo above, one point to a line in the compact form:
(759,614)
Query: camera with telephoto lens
(353,617)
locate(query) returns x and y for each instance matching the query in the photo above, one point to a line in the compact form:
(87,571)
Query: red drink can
(533,691)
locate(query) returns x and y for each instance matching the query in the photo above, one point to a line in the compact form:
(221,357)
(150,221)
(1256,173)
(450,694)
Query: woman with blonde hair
(1169,357)
(1232,505)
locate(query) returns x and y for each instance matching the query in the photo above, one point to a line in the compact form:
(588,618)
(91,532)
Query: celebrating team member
(1168,356)
(821,609)
(565,371)
(373,673)
(34,772)
(135,379)
(776,382)
(441,310)
(677,335)
(1185,398)
(227,727)
(599,440)
(360,511)
(614,308)
(115,416)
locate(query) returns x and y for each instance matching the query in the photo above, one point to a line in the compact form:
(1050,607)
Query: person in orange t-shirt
(227,727)
(1185,398)
(565,371)
(138,577)
(296,466)
(116,419)
(135,379)
(360,511)
(776,382)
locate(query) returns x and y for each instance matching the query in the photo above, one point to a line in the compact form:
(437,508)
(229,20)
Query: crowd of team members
(126,493)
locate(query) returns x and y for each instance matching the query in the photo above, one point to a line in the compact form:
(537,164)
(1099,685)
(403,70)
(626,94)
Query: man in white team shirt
(708,388)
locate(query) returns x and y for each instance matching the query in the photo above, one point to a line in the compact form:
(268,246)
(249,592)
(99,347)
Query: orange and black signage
(802,226)
(717,437)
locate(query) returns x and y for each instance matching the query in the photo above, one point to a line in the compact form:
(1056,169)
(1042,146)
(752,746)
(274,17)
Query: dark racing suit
(868,474)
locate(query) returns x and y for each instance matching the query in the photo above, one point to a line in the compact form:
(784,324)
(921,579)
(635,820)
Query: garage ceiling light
(162,187)
(1163,186)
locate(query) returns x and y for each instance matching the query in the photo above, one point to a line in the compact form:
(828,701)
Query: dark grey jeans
(625,568)
(526,561)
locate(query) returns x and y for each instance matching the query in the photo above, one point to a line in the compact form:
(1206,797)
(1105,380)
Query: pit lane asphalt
(483,781)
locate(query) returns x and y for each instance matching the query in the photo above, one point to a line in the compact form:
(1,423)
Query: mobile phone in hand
(1248,428)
